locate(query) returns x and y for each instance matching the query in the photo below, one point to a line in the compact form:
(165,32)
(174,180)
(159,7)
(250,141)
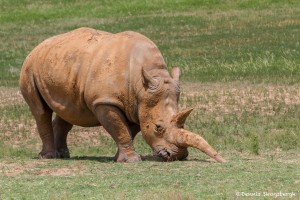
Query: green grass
(194,179)
(211,40)
(241,69)
(259,138)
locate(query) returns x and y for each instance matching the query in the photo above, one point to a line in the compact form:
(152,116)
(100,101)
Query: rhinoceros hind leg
(115,123)
(61,129)
(42,114)
(44,126)
(43,122)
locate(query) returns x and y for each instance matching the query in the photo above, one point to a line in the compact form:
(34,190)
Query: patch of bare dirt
(60,171)
(39,168)
(292,157)
(10,96)
(10,168)
(15,133)
(91,136)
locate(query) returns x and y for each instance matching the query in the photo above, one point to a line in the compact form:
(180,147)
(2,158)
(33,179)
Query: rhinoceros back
(76,70)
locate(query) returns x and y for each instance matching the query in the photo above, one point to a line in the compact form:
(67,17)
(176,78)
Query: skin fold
(119,81)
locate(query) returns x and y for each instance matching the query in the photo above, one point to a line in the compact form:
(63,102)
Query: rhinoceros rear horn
(179,119)
(188,139)
(176,73)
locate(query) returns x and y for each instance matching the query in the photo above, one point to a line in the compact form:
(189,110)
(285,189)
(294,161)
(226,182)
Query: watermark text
(267,194)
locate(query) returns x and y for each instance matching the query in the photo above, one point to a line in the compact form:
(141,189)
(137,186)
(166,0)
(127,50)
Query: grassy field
(241,73)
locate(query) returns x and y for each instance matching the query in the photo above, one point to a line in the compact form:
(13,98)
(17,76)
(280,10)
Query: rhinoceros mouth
(169,155)
(165,154)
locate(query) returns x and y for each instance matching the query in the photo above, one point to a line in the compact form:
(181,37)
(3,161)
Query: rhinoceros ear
(149,81)
(176,73)
(179,118)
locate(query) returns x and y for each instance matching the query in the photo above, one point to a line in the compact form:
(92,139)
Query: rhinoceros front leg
(61,129)
(115,123)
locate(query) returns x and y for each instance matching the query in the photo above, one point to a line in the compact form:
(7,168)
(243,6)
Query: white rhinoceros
(119,81)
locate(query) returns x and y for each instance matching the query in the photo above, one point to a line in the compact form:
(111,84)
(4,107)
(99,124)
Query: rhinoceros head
(162,124)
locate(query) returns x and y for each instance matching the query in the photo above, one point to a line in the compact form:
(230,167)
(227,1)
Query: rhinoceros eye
(159,128)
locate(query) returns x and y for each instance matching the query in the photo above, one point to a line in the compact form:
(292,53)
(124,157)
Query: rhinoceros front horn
(186,138)
(179,119)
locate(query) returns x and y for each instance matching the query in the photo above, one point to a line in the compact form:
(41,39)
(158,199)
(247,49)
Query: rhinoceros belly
(67,101)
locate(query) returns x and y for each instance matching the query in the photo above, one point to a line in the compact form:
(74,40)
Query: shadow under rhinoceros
(107,159)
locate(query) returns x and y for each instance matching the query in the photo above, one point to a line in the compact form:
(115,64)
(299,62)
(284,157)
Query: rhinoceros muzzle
(169,155)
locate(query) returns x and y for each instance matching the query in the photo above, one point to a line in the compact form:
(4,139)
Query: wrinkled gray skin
(119,81)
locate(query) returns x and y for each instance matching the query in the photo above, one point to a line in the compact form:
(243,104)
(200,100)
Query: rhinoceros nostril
(168,153)
(163,153)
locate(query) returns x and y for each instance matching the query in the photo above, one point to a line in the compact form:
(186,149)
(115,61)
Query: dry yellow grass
(236,98)
(214,100)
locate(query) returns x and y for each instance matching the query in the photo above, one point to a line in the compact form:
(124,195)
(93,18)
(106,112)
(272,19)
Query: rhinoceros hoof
(47,155)
(128,158)
(133,159)
(63,153)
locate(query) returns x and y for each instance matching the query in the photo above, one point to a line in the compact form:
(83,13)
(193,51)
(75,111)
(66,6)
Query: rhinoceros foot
(130,157)
(48,155)
(63,153)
